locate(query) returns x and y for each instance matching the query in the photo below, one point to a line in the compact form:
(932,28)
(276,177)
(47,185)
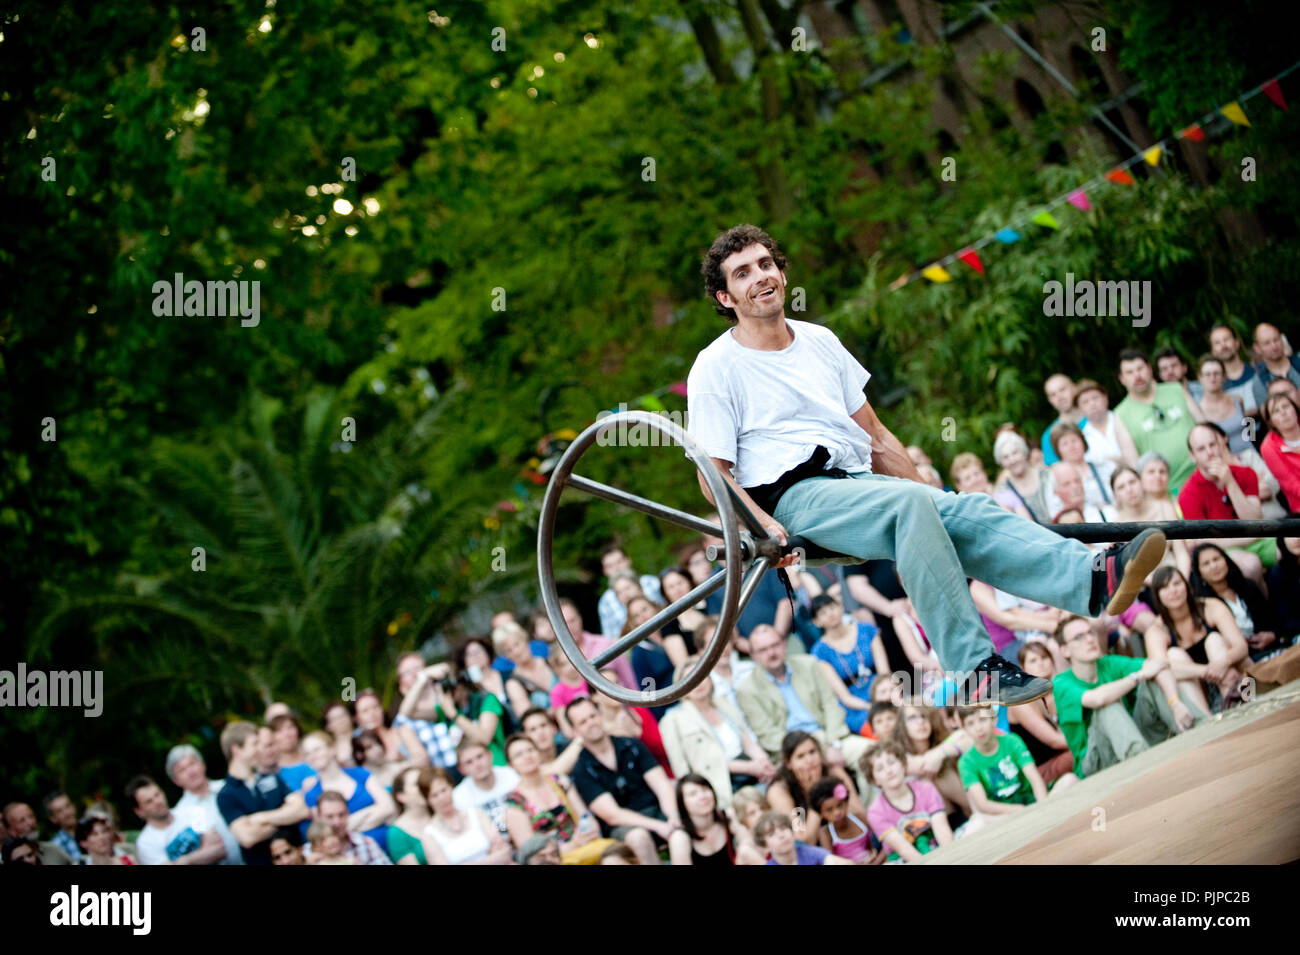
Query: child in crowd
(883,719)
(326,846)
(998,771)
(907,816)
(843,833)
(775,833)
(569,686)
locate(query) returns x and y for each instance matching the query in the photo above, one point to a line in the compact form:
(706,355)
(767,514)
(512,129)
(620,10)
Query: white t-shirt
(209,806)
(468,795)
(767,411)
(160,846)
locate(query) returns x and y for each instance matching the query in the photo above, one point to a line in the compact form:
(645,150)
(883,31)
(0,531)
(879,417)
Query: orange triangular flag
(1193,132)
(1120,176)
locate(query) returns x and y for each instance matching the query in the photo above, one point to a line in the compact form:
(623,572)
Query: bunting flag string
(1232,111)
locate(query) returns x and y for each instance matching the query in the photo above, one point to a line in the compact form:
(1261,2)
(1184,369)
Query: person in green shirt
(1158,416)
(1112,707)
(998,772)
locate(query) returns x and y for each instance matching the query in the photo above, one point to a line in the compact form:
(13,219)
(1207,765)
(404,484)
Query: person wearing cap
(539,850)
(186,768)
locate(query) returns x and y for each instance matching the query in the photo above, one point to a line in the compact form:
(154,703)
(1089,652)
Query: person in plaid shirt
(333,810)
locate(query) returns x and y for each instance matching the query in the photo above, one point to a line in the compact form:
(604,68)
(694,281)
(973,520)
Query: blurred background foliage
(520,175)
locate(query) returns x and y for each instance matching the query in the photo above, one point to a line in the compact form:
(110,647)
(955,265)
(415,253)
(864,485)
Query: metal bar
(671,612)
(1178,530)
(645,505)
(745,514)
(755,574)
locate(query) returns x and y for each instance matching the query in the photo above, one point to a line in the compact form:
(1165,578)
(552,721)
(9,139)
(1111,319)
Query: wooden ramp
(1224,793)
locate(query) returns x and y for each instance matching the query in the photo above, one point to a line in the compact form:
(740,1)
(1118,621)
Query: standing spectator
(485,785)
(287,732)
(21,823)
(775,833)
(542,804)
(406,832)
(1281,448)
(254,804)
(1108,440)
(171,838)
(613,613)
(332,810)
(1218,490)
(1242,379)
(622,784)
(1215,575)
(456,836)
(1274,362)
(1026,482)
(1158,416)
(851,655)
(780,696)
(95,837)
(62,813)
(369,804)
(1060,395)
(1222,407)
(707,736)
(707,837)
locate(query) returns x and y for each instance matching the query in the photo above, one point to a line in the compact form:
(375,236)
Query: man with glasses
(1158,417)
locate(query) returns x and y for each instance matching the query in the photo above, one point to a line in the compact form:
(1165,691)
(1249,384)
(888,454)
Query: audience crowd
(824,735)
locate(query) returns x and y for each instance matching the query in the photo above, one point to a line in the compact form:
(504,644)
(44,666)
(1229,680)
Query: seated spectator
(1109,443)
(707,736)
(998,771)
(254,804)
(1027,483)
(103,809)
(95,837)
(287,732)
(1153,469)
(803,765)
(707,837)
(401,745)
(591,644)
(619,854)
(1215,575)
(417,686)
(851,655)
(369,804)
(475,656)
(541,850)
(1010,620)
(633,722)
(1221,407)
(531,679)
(1201,642)
(969,477)
(485,785)
(731,667)
(1219,490)
(1241,378)
(459,836)
(907,815)
(883,719)
(1132,504)
(658,652)
(477,714)
(622,785)
(1157,416)
(1281,447)
(748,804)
(1172,367)
(184,837)
(1284,586)
(338,722)
(676,583)
(406,832)
(932,751)
(20,822)
(357,847)
(23,851)
(62,813)
(368,754)
(1112,707)
(286,847)
(780,696)
(843,832)
(542,804)
(569,684)
(775,833)
(1036,723)
(1067,491)
(1273,361)
(612,607)
(1060,395)
(557,753)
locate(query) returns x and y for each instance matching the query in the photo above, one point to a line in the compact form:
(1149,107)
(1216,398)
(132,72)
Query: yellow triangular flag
(936,273)
(1234,112)
(1152,155)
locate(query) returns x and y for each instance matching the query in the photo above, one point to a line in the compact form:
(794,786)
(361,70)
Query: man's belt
(767,496)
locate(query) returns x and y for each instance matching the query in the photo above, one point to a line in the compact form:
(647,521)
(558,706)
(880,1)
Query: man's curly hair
(729,243)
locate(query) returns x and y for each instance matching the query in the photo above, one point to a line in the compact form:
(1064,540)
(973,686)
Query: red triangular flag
(1193,132)
(972,258)
(1120,176)
(1274,92)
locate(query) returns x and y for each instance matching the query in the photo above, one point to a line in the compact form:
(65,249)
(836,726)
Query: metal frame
(749,553)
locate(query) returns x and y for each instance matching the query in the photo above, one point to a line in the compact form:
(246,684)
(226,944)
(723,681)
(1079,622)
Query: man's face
(1206,447)
(151,803)
(1060,393)
(1079,643)
(768,649)
(63,813)
(268,755)
(1093,403)
(625,590)
(1224,345)
(1171,368)
(981,725)
(972,479)
(21,820)
(335,815)
(587,723)
(1284,386)
(1068,485)
(1135,375)
(615,561)
(755,286)
(284,852)
(189,773)
(475,763)
(538,729)
(1268,342)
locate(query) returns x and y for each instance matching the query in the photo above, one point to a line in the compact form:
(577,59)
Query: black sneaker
(997,681)
(1118,571)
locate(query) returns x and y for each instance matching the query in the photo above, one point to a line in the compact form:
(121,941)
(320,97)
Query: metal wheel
(748,553)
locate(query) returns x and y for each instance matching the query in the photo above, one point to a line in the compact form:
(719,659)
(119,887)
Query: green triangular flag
(1044,218)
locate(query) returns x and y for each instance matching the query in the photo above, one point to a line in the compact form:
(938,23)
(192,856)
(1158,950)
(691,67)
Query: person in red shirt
(1281,449)
(1218,490)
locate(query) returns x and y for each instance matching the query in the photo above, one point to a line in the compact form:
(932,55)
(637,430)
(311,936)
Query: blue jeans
(938,539)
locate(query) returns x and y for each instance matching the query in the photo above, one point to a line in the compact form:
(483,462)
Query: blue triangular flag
(1007,236)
